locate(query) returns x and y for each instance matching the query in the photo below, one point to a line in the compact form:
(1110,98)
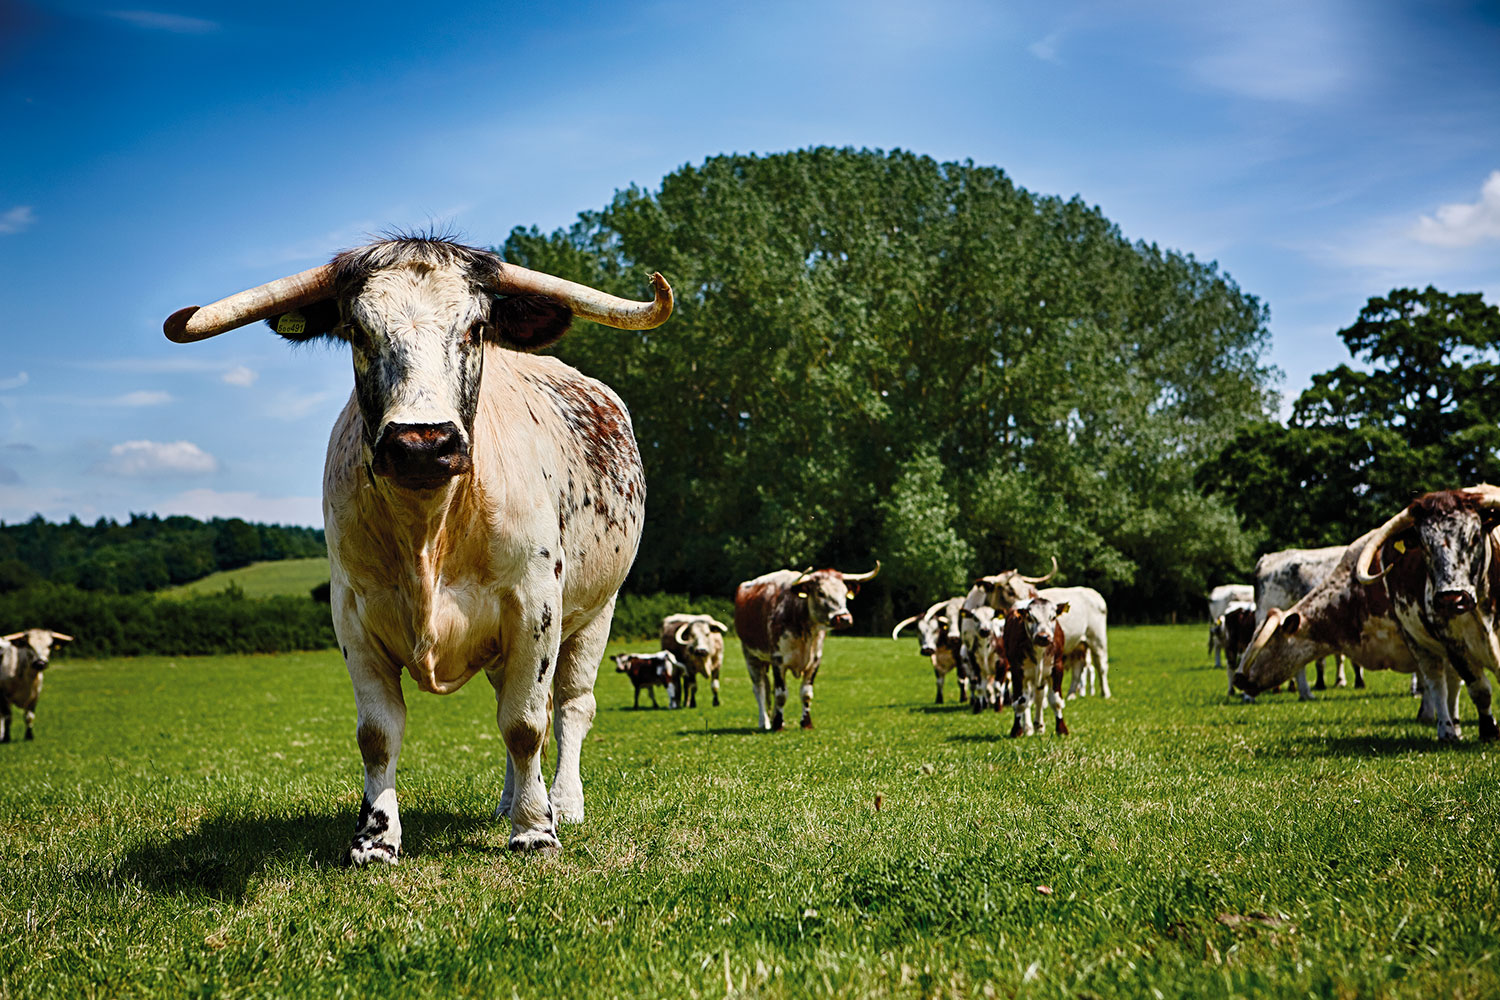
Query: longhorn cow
(21,666)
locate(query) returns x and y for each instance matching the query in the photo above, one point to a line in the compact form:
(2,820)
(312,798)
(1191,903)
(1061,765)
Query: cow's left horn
(862,577)
(1366,560)
(58,636)
(677,636)
(13,635)
(1041,579)
(589,303)
(273,298)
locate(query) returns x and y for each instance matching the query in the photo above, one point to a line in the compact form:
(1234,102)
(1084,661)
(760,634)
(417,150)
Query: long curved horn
(13,635)
(589,303)
(716,623)
(903,623)
(861,577)
(1366,559)
(802,577)
(282,295)
(677,637)
(62,638)
(1041,579)
(1261,637)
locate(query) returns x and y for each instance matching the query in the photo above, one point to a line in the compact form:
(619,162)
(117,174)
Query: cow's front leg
(714,681)
(379,731)
(941,677)
(1435,680)
(1359,674)
(30,718)
(1319,684)
(1340,678)
(1055,698)
(807,694)
(573,688)
(778,679)
(522,685)
(1480,695)
(1304,690)
(760,686)
(4,719)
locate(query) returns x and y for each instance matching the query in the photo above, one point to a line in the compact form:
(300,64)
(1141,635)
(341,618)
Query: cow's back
(757,607)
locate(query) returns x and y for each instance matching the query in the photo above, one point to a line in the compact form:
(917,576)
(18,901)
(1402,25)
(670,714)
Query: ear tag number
(1400,548)
(291,323)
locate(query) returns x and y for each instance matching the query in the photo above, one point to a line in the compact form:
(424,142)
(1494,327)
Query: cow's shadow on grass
(1373,746)
(225,853)
(932,708)
(722,731)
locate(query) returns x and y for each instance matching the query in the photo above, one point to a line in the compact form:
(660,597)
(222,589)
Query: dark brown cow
(782,619)
(649,671)
(698,641)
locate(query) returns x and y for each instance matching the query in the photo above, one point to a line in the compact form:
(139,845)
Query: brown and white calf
(698,641)
(1432,609)
(649,671)
(1034,649)
(1281,579)
(1232,631)
(782,619)
(482,505)
(1085,624)
(983,638)
(1219,600)
(24,656)
(939,639)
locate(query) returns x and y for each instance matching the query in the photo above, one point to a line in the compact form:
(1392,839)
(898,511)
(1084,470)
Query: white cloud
(240,375)
(1045,49)
(153,459)
(17,219)
(14,382)
(1463,225)
(140,397)
(205,503)
(158,21)
(1276,50)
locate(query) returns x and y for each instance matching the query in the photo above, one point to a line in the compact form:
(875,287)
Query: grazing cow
(1281,580)
(698,641)
(1232,631)
(939,640)
(1219,600)
(650,671)
(1432,610)
(782,619)
(1034,644)
(1086,623)
(482,505)
(21,665)
(982,630)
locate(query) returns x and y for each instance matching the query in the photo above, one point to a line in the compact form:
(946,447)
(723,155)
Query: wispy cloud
(140,397)
(1276,50)
(1045,49)
(9,476)
(17,219)
(240,375)
(157,459)
(14,382)
(156,20)
(1463,225)
(205,503)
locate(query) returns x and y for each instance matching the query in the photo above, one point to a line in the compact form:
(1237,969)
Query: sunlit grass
(294,577)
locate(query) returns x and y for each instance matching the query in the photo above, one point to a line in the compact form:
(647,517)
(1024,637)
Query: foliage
(140,624)
(176,829)
(861,334)
(1361,444)
(146,553)
(638,616)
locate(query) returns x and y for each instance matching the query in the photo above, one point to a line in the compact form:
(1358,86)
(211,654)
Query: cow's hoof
(1062,728)
(1489,732)
(716,701)
(777,722)
(567,805)
(1016,730)
(30,735)
(1320,686)
(535,842)
(368,851)
(1359,682)
(807,722)
(1342,682)
(5,738)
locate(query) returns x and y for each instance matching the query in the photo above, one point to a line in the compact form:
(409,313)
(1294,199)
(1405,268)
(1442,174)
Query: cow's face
(930,631)
(827,596)
(699,639)
(1003,590)
(39,642)
(1039,617)
(1278,649)
(1451,534)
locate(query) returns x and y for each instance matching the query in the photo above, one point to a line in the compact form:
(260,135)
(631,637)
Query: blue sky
(159,156)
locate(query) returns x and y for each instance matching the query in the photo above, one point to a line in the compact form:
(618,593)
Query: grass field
(177,825)
(262,579)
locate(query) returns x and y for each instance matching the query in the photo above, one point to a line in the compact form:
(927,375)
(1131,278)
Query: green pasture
(262,579)
(177,826)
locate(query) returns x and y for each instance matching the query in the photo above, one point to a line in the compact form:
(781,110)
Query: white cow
(23,657)
(1085,623)
(1284,578)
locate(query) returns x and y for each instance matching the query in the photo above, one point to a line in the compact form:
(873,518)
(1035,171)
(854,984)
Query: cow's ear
(1291,623)
(526,322)
(308,323)
(1062,608)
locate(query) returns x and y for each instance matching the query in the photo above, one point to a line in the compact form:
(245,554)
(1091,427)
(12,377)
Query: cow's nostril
(421,455)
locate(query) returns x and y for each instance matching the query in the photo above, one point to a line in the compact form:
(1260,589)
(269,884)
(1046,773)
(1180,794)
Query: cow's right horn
(589,303)
(902,624)
(1041,579)
(1261,637)
(677,636)
(12,636)
(861,577)
(273,298)
(1384,533)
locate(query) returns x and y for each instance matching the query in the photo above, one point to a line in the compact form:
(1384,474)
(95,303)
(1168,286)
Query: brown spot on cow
(557,569)
(523,741)
(372,746)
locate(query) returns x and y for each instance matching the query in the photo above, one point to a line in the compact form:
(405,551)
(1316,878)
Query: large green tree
(1422,414)
(879,355)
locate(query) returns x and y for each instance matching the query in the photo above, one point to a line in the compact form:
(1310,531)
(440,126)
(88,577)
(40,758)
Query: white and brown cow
(649,671)
(1281,580)
(24,656)
(1085,624)
(1431,610)
(1034,650)
(1231,632)
(482,505)
(939,639)
(1219,600)
(782,619)
(982,630)
(698,641)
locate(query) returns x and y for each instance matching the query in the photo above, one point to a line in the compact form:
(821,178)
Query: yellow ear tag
(801,595)
(291,323)
(851,596)
(1400,547)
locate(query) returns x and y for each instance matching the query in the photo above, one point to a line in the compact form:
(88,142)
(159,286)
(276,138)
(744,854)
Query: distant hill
(263,579)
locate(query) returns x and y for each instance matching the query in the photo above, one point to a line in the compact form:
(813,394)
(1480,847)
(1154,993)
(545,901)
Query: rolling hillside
(262,579)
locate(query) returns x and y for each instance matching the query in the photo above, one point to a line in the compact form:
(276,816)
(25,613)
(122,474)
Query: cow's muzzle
(928,650)
(1453,602)
(1244,684)
(421,456)
(841,620)
(1041,639)
(39,665)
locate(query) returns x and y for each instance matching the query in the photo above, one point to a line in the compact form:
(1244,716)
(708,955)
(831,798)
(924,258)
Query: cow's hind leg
(1480,694)
(1304,691)
(30,718)
(4,720)
(807,696)
(1320,684)
(1099,649)
(379,731)
(778,679)
(573,689)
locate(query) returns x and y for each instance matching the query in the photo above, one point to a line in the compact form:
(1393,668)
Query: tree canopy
(876,355)
(1362,443)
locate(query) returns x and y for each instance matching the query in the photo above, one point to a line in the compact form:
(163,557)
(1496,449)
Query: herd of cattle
(483,505)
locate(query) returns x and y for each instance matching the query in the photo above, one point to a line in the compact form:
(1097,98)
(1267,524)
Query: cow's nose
(700,650)
(842,619)
(421,456)
(928,650)
(1243,683)
(1454,602)
(40,664)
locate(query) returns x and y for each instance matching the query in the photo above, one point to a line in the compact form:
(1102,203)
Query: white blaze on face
(413,360)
